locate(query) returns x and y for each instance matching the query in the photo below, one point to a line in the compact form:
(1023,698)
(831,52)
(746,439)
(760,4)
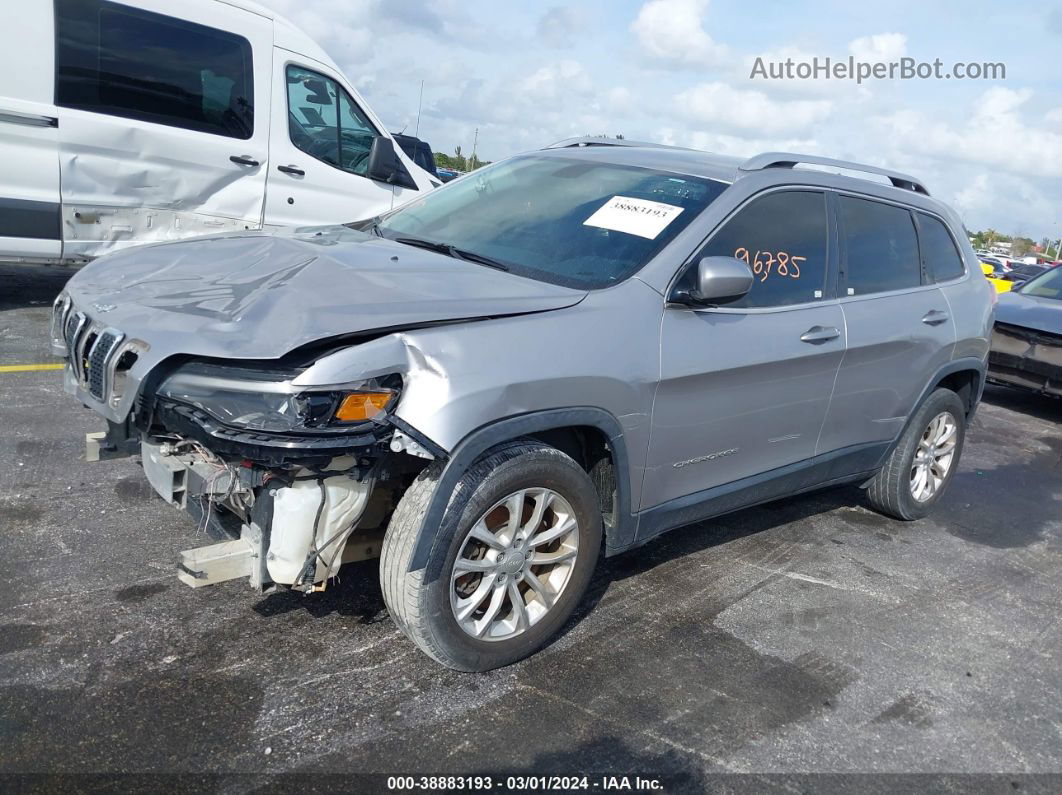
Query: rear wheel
(924,461)
(517,546)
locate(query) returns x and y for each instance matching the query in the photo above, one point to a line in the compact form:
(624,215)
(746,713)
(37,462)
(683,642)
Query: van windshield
(572,222)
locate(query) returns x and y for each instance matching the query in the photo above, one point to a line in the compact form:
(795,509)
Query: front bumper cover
(1026,358)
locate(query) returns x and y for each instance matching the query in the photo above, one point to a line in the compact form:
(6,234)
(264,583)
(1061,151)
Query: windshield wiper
(372,226)
(452,251)
(472,256)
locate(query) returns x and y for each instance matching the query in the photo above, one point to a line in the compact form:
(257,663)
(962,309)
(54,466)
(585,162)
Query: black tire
(422,609)
(890,490)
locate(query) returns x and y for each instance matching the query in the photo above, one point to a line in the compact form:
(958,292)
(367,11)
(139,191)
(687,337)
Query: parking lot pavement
(807,635)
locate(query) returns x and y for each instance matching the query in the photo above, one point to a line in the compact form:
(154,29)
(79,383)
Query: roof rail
(597,140)
(789,160)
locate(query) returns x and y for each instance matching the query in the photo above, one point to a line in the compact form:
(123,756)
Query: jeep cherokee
(564,354)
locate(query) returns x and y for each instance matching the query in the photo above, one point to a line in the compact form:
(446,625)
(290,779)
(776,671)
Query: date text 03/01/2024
(523,783)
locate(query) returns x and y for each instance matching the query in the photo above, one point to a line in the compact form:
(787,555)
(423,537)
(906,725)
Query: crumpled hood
(258,295)
(1030,311)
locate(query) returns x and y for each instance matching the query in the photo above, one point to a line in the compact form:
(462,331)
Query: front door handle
(295,170)
(935,317)
(819,334)
(243,160)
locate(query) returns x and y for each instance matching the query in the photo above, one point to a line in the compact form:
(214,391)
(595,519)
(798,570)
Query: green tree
(1020,246)
(458,161)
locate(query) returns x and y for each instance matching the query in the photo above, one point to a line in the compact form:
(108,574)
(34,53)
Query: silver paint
(678,380)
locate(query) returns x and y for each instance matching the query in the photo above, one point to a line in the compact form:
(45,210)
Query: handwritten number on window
(764,263)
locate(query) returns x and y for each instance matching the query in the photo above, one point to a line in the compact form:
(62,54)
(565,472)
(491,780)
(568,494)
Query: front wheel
(517,546)
(924,461)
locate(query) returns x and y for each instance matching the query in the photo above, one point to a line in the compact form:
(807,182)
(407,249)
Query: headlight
(259,400)
(60,312)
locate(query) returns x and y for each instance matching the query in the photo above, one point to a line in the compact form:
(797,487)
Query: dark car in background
(1027,337)
(1022,273)
(419,152)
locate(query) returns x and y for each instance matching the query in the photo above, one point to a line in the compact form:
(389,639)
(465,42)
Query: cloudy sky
(677,71)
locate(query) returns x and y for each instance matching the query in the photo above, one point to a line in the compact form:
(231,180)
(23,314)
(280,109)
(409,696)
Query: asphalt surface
(807,636)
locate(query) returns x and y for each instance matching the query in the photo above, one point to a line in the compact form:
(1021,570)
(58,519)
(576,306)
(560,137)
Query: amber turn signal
(362,406)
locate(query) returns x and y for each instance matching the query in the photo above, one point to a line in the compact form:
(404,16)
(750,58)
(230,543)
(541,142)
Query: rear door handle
(818,334)
(935,317)
(243,160)
(298,172)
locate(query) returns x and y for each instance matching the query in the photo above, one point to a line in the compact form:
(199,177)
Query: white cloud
(991,196)
(343,36)
(559,26)
(881,47)
(736,145)
(996,135)
(553,82)
(1054,118)
(722,106)
(670,31)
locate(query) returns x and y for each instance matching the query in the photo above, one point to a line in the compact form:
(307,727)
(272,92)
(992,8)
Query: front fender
(479,441)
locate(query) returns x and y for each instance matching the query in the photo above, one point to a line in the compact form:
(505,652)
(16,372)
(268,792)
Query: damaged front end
(1026,357)
(291,482)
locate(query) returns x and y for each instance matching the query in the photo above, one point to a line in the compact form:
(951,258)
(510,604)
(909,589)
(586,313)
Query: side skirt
(852,464)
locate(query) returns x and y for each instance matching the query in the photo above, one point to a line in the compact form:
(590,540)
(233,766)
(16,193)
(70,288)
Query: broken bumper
(1026,358)
(292,531)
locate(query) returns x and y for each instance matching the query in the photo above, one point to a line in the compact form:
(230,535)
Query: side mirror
(383,163)
(318,92)
(718,280)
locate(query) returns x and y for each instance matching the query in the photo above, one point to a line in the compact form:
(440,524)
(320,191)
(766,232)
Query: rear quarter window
(942,258)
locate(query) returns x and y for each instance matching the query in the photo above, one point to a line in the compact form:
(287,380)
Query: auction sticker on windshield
(634,216)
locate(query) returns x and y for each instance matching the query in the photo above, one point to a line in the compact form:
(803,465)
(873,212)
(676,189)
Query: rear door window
(881,246)
(782,236)
(135,64)
(938,249)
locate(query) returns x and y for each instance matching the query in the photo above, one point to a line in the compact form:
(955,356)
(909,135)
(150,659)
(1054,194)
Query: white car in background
(144,120)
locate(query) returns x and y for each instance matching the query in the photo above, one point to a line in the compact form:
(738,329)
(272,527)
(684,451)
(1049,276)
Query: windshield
(1048,285)
(562,220)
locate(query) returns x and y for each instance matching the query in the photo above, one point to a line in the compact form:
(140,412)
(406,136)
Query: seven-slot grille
(98,360)
(92,350)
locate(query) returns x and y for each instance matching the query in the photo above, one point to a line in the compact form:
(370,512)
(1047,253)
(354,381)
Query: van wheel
(516,549)
(924,462)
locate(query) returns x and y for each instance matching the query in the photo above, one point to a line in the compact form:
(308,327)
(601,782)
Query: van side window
(326,123)
(942,258)
(782,237)
(882,250)
(135,64)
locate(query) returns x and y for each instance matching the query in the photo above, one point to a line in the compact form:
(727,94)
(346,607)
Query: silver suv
(567,353)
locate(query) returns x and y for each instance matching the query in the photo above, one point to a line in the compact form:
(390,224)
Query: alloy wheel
(513,564)
(934,456)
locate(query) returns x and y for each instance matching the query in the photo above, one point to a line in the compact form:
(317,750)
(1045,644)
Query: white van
(146,120)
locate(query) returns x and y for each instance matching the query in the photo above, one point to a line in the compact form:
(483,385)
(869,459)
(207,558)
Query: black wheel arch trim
(484,438)
(980,366)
